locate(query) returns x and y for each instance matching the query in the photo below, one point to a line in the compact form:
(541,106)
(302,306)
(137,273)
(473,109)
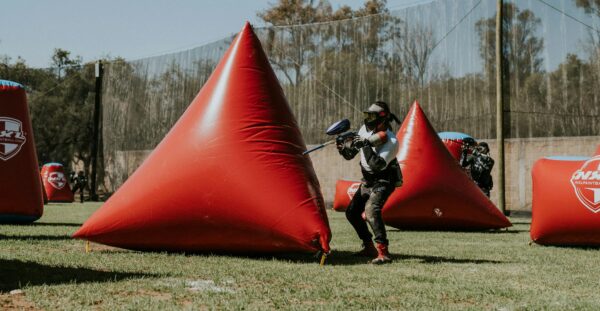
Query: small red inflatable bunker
(344,192)
(21,198)
(566,201)
(56,184)
(436,194)
(454,141)
(238,181)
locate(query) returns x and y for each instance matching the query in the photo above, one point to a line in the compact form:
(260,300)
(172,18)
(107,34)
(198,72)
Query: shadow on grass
(347,258)
(492,231)
(17,274)
(440,259)
(34,237)
(340,258)
(53,224)
(526,223)
(581,247)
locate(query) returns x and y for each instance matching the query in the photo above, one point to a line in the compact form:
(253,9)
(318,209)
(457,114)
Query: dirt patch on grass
(10,302)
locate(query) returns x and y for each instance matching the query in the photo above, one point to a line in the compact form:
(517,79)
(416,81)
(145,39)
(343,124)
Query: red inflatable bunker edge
(21,199)
(566,201)
(240,184)
(454,141)
(598,150)
(55,182)
(344,191)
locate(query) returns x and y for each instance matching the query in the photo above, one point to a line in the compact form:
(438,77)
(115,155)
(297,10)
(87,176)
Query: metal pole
(500,109)
(96,132)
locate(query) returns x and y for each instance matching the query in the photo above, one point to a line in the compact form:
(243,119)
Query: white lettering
(582,175)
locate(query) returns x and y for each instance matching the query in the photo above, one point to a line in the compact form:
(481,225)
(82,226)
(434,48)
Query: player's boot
(368,250)
(383,255)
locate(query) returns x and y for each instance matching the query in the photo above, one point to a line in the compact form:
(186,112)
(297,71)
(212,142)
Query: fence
(441,53)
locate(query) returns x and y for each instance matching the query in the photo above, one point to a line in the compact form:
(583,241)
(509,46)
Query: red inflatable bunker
(21,198)
(566,201)
(344,192)
(598,150)
(56,185)
(238,181)
(436,194)
(454,141)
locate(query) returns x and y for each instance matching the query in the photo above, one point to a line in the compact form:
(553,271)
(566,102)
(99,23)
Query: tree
(590,6)
(61,60)
(415,45)
(522,48)
(290,48)
(521,52)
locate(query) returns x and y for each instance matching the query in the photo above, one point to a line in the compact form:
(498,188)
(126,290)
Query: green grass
(431,270)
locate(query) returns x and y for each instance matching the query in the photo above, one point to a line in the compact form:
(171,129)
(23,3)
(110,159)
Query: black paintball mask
(483,148)
(378,114)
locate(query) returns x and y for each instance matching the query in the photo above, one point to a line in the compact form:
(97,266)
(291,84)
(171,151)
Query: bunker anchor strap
(323,258)
(87,247)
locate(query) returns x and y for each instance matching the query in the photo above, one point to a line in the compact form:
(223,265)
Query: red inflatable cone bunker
(56,185)
(229,176)
(436,193)
(566,201)
(454,141)
(20,189)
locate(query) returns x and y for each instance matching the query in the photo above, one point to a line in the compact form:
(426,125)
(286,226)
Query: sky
(132,29)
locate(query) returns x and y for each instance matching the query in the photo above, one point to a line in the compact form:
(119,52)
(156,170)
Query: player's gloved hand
(360,142)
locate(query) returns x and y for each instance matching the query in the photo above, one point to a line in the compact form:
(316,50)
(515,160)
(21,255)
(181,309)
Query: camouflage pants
(369,200)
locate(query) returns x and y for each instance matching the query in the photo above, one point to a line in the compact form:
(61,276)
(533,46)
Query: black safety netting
(440,53)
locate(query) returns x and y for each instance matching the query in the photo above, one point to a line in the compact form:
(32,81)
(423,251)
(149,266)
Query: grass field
(431,270)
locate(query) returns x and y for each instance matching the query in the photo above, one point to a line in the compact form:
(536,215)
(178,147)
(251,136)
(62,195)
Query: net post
(96,131)
(500,108)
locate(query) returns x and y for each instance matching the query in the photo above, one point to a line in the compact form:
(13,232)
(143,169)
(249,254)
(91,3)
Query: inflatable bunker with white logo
(242,183)
(56,184)
(21,199)
(454,141)
(566,201)
(344,192)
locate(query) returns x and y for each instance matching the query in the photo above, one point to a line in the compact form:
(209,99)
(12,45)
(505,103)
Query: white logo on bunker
(12,137)
(586,183)
(352,190)
(57,180)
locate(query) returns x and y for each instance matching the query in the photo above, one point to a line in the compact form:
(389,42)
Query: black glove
(360,142)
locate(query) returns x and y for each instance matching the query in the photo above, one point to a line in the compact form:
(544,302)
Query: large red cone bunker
(20,189)
(436,193)
(566,201)
(454,142)
(229,176)
(56,185)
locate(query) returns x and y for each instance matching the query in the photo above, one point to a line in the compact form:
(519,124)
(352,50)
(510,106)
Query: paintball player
(479,164)
(378,147)
(79,182)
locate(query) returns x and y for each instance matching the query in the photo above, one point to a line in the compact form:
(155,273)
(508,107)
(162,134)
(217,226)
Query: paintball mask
(375,115)
(483,148)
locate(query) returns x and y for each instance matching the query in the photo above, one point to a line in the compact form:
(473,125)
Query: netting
(441,53)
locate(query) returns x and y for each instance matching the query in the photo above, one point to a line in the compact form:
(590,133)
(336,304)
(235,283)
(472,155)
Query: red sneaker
(383,255)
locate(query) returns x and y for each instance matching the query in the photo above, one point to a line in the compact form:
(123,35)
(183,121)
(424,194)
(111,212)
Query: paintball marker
(338,129)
